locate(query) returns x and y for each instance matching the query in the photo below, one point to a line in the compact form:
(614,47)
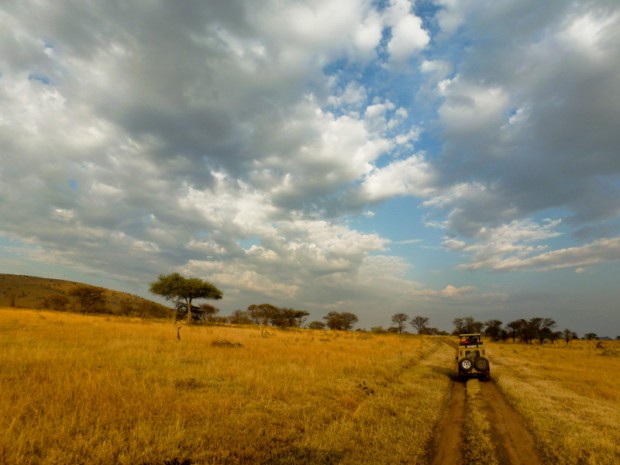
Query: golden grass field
(102,390)
(78,389)
(568,395)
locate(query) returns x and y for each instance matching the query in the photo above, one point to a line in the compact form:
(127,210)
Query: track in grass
(513,443)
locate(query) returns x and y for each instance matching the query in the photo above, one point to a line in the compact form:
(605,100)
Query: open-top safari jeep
(471,357)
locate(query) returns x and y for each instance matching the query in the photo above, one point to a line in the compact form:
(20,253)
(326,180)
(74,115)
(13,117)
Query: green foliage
(267,314)
(493,329)
(316,325)
(340,320)
(180,289)
(467,325)
(534,328)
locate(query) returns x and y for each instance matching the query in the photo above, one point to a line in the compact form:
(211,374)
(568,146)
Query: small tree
(90,299)
(209,312)
(467,325)
(419,323)
(239,317)
(180,289)
(263,314)
(316,325)
(343,321)
(493,329)
(56,302)
(516,328)
(568,335)
(291,318)
(399,319)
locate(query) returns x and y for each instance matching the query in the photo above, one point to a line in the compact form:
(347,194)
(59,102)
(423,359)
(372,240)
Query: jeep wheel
(481,364)
(465,365)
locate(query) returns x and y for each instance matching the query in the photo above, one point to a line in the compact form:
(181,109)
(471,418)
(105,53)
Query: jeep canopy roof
(470,339)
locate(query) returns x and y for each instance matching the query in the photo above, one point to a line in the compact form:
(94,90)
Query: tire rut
(448,441)
(513,442)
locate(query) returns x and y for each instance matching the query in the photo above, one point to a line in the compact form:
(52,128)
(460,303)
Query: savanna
(83,389)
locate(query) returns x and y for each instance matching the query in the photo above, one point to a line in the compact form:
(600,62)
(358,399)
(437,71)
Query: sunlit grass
(102,390)
(569,395)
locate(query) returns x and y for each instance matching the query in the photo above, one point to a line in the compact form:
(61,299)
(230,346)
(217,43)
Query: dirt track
(513,443)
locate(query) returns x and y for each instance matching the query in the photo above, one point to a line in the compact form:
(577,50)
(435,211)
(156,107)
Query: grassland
(569,397)
(101,390)
(80,389)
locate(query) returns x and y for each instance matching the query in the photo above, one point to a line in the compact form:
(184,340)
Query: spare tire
(465,365)
(481,364)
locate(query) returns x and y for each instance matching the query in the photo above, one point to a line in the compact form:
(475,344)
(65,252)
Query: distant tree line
(418,322)
(522,330)
(526,331)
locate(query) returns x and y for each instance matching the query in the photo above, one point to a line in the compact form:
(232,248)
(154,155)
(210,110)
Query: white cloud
(580,257)
(496,247)
(368,35)
(411,176)
(408,38)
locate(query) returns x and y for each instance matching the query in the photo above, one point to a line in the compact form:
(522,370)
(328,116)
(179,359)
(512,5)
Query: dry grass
(478,446)
(569,395)
(99,390)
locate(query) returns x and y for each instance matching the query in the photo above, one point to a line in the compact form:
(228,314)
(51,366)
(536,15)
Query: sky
(442,158)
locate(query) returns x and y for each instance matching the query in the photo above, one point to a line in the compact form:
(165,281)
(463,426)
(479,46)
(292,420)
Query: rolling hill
(55,294)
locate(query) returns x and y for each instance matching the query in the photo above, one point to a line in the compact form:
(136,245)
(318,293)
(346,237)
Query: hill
(56,294)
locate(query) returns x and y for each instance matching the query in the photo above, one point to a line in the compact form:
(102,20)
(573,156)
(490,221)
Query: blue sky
(441,158)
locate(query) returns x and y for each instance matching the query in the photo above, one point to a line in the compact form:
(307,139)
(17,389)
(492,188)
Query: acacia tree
(180,289)
(399,319)
(261,314)
(342,321)
(209,311)
(420,323)
(493,329)
(516,328)
(467,325)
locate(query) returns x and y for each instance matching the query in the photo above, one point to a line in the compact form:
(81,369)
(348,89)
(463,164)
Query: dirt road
(514,444)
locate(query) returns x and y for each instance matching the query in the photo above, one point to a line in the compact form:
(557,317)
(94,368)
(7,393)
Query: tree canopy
(180,289)
(420,323)
(399,319)
(343,321)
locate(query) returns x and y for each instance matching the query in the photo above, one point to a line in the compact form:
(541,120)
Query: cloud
(594,253)
(411,176)
(492,245)
(408,35)
(527,123)
(266,144)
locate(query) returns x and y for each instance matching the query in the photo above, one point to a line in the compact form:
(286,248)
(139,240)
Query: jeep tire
(465,365)
(481,364)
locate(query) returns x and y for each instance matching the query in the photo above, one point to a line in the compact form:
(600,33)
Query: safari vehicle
(471,357)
